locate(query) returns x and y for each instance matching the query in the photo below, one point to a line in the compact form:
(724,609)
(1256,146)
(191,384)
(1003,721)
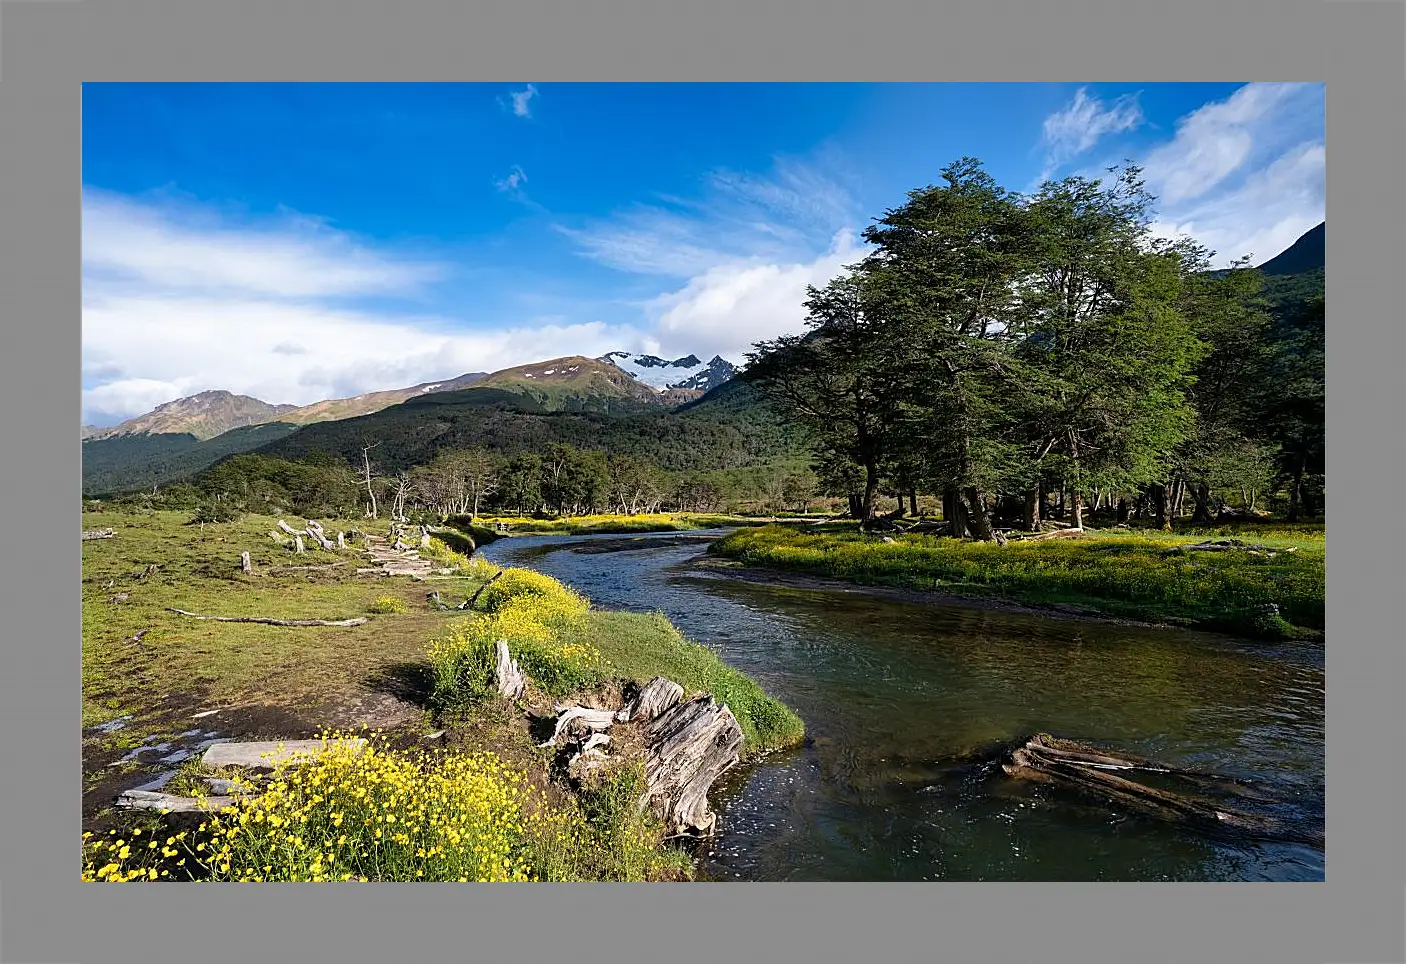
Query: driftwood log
(1230,545)
(1107,774)
(508,675)
(315,531)
(689,747)
(355,621)
(97,534)
(578,720)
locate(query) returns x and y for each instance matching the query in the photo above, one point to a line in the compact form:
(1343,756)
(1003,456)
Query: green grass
(198,570)
(1125,573)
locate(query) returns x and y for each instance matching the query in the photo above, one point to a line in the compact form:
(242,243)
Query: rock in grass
(265,755)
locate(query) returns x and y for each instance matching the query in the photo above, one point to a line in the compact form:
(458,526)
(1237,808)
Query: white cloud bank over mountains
(180,298)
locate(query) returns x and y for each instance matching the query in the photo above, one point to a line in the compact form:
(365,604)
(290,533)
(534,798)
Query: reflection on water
(901,700)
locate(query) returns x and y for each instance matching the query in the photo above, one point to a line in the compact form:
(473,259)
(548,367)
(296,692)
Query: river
(892,693)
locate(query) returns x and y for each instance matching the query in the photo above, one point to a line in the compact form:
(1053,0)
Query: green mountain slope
(128,462)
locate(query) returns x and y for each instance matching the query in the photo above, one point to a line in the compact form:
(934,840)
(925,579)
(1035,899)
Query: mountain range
(183,436)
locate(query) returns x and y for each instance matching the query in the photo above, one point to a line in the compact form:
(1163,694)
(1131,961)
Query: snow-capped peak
(662,374)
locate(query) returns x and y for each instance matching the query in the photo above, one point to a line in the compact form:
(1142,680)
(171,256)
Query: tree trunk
(1060,503)
(1202,513)
(1098,501)
(1158,494)
(1121,511)
(978,524)
(867,506)
(1077,509)
(1033,509)
(900,498)
(954,513)
(913,503)
(1179,493)
(1296,492)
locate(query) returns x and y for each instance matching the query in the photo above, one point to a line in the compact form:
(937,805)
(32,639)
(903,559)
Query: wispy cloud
(739,218)
(516,178)
(520,101)
(1082,123)
(177,245)
(1221,138)
(1244,175)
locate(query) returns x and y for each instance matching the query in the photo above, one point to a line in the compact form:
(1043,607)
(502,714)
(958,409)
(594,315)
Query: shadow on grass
(409,682)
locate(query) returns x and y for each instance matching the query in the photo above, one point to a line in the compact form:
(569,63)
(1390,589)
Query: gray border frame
(50,47)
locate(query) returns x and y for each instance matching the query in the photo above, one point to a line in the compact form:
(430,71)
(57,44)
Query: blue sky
(298,242)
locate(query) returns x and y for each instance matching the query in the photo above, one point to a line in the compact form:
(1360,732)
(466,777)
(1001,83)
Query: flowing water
(898,698)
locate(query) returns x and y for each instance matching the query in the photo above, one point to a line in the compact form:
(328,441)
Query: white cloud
(728,308)
(1218,139)
(178,300)
(1070,132)
(1261,217)
(521,99)
(181,246)
(1244,175)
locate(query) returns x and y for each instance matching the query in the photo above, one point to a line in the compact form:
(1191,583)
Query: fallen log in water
(355,621)
(1095,771)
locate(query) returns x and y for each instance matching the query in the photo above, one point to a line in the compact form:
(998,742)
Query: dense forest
(1021,355)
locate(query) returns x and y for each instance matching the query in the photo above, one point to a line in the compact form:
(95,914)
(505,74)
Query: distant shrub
(390,605)
(216,510)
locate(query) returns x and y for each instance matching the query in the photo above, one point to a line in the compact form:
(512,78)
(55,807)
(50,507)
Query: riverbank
(158,685)
(1119,575)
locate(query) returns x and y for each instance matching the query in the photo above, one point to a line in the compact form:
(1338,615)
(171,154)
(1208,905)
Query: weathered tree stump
(509,676)
(245,564)
(689,747)
(341,541)
(298,544)
(658,695)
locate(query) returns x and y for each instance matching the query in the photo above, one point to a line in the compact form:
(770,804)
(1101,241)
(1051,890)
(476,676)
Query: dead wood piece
(89,534)
(120,598)
(245,563)
(656,696)
(155,800)
(298,544)
(509,676)
(578,719)
(689,747)
(354,621)
(475,598)
(341,541)
(1046,759)
(286,528)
